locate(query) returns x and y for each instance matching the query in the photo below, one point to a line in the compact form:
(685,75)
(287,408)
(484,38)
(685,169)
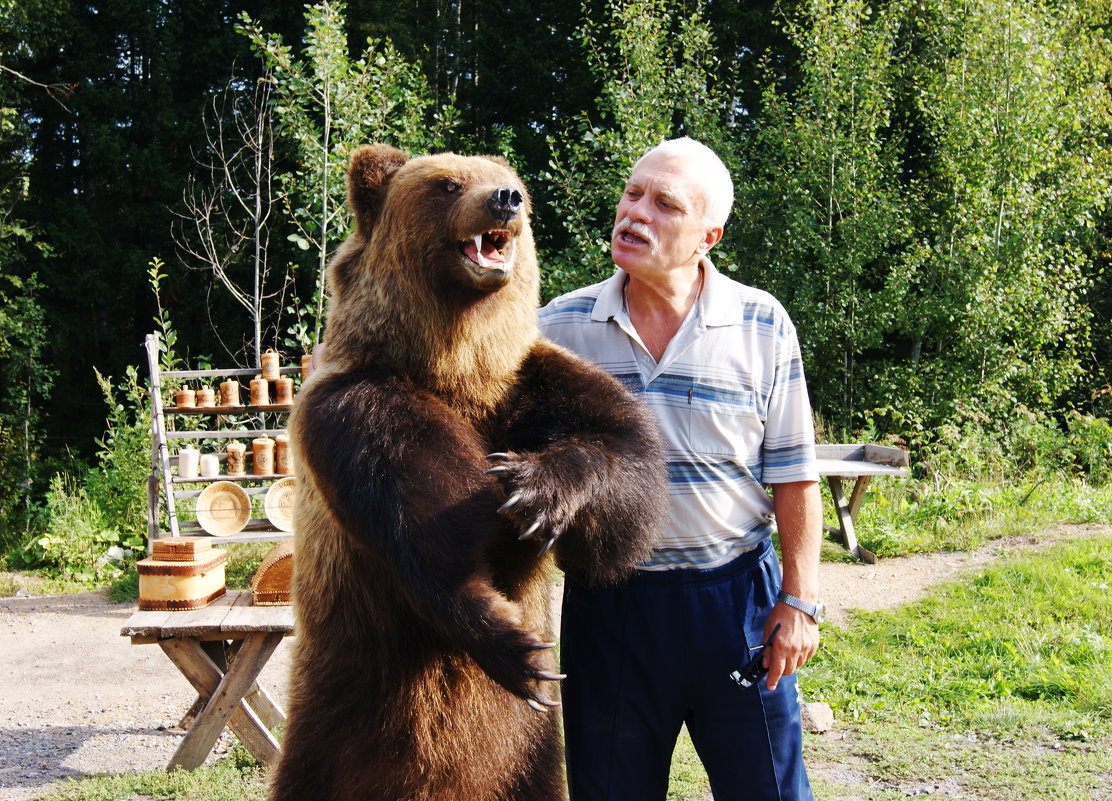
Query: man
(719,364)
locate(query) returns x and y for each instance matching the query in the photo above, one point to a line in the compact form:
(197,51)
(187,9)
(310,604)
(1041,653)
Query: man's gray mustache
(639,228)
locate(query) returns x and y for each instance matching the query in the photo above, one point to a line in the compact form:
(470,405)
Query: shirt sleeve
(789,442)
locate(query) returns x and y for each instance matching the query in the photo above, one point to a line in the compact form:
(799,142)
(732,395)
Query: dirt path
(77,698)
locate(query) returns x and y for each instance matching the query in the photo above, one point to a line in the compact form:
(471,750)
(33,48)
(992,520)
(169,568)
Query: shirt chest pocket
(723,419)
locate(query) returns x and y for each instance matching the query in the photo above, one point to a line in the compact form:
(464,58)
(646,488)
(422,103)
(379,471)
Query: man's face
(659,226)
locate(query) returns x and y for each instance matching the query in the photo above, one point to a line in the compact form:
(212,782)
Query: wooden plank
(228,371)
(845,522)
(269,712)
(882,454)
(853,469)
(197,622)
(228,411)
(145,623)
(246,618)
(226,477)
(265,707)
(249,534)
(225,433)
(857,496)
(854,452)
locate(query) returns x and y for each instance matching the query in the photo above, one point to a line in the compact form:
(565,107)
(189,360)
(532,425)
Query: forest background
(923,183)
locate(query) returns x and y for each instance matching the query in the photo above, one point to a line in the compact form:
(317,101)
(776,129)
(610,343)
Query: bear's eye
(451,187)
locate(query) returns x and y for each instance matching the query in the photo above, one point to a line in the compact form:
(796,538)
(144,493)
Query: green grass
(237,778)
(998,685)
(906,516)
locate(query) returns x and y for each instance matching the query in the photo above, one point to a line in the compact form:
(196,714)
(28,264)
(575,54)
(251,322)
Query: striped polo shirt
(730,399)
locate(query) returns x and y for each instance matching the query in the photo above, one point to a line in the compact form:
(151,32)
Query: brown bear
(444,448)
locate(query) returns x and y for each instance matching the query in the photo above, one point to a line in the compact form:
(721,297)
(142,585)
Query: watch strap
(799,603)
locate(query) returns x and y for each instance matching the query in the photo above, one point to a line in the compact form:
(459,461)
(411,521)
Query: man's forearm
(798,509)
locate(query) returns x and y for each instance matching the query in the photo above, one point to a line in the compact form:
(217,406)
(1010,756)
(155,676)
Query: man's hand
(797,641)
(798,510)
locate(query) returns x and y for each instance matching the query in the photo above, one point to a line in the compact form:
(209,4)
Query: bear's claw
(516,475)
(542,705)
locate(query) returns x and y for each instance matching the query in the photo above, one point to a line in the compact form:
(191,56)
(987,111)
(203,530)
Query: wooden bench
(221,649)
(838,463)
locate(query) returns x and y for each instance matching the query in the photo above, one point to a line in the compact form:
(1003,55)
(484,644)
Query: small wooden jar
(270,365)
(229,392)
(283,456)
(237,459)
(262,456)
(185,397)
(206,398)
(283,391)
(305,369)
(260,391)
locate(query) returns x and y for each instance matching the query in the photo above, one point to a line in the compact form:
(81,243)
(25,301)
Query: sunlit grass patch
(1035,632)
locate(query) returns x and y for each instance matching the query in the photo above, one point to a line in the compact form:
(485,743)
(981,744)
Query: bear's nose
(504,203)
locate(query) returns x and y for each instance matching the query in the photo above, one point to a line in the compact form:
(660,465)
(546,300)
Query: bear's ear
(368,176)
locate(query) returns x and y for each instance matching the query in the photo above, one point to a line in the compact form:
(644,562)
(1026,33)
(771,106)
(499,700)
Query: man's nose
(639,210)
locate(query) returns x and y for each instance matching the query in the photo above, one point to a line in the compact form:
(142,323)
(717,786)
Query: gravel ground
(76,698)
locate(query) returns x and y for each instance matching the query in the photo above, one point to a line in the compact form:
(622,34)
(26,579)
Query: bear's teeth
(479,258)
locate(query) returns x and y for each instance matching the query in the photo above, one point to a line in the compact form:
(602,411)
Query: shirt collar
(719,306)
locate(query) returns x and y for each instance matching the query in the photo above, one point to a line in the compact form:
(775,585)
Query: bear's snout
(504,203)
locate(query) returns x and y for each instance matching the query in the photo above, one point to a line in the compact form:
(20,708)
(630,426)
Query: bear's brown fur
(438,442)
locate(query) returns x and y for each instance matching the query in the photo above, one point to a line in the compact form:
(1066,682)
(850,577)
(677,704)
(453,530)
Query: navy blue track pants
(649,655)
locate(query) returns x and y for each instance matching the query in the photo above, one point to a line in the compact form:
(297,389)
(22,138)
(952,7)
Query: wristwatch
(817,610)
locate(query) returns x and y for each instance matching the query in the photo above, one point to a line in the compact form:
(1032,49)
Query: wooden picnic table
(221,649)
(838,463)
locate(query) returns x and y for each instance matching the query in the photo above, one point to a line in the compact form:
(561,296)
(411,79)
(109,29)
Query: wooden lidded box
(182,573)
(271,584)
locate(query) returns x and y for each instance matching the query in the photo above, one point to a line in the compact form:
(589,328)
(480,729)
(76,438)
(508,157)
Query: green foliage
(654,63)
(326,104)
(94,522)
(921,198)
(960,657)
(27,379)
(1090,445)
(822,216)
(119,483)
(76,537)
(167,335)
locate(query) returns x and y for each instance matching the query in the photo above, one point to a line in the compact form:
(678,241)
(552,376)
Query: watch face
(820,612)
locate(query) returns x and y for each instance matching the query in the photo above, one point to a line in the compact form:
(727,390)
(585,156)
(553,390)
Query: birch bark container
(270,365)
(260,391)
(237,458)
(229,393)
(262,456)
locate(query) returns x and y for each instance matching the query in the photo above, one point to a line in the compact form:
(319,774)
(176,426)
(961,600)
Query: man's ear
(713,237)
(368,176)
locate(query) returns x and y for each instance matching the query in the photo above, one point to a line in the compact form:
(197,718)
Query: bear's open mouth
(486,249)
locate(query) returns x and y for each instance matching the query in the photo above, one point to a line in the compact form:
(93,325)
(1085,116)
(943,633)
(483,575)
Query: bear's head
(439,279)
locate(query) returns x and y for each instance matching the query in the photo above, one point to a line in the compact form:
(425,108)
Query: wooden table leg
(225,693)
(270,713)
(216,652)
(847,511)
